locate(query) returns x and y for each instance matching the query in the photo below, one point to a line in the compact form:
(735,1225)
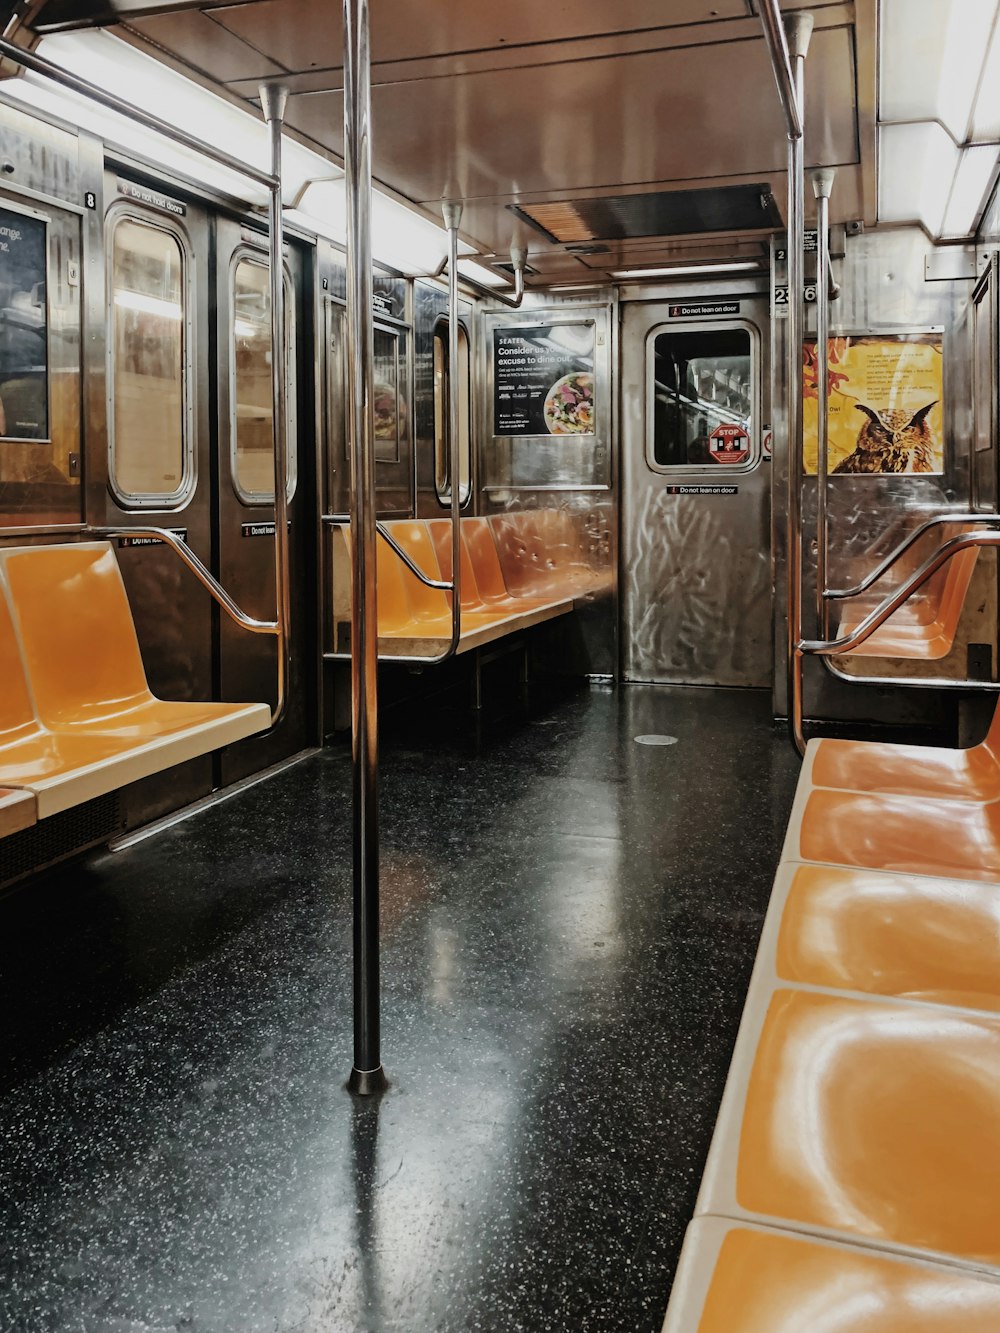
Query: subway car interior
(499,761)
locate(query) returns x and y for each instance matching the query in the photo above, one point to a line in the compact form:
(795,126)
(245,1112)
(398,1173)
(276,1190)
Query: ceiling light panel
(931,61)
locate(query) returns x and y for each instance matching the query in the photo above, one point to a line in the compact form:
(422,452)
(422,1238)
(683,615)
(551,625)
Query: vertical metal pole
(273,99)
(452,213)
(367,1074)
(798,29)
(822,183)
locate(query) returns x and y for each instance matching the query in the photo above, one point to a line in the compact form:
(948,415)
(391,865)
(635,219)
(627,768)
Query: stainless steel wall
(883,288)
(576,474)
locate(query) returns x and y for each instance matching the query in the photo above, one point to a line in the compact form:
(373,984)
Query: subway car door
(696,550)
(245,505)
(157,464)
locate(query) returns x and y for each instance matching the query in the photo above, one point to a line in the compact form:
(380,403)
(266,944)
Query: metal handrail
(518,258)
(867,627)
(196,566)
(443,585)
(908,541)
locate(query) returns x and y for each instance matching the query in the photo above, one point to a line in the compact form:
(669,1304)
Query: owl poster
(886,411)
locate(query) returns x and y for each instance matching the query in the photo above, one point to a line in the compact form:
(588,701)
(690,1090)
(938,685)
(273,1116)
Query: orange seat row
(854,1177)
(77,718)
(515,572)
(926,624)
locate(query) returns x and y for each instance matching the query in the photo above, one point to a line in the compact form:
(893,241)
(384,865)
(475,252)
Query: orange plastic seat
(431,607)
(71,607)
(735,1278)
(477,537)
(910,936)
(908,770)
(956,839)
(88,723)
(17,811)
(868,1119)
(923,627)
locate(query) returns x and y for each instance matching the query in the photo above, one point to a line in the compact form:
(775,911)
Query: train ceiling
(561,110)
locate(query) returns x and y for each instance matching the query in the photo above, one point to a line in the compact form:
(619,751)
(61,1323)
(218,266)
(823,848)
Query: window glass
(253,398)
(702,379)
(149,454)
(442,415)
(40,456)
(386,400)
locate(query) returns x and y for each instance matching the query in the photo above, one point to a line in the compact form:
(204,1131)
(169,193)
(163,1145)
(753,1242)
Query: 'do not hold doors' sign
(728,444)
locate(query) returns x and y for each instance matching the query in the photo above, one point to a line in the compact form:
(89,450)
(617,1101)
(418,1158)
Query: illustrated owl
(892,441)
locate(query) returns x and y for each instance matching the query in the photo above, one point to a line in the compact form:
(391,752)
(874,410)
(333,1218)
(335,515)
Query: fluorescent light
(146,83)
(932,57)
(400,237)
(968,193)
(917,164)
(688,270)
(986,117)
(149,305)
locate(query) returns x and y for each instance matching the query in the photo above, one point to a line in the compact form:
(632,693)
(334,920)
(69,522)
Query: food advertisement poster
(23,328)
(543,380)
(886,404)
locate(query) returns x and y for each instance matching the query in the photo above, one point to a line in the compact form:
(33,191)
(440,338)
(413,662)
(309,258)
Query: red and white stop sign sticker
(728,444)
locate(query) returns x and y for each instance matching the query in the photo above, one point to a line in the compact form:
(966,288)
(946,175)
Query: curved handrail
(200,571)
(908,541)
(867,627)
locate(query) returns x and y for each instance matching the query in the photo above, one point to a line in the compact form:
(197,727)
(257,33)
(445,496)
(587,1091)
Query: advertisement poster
(23,328)
(886,410)
(543,380)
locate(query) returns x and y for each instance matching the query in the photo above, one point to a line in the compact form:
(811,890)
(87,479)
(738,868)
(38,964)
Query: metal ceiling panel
(205,46)
(301,34)
(727,208)
(663,116)
(495,227)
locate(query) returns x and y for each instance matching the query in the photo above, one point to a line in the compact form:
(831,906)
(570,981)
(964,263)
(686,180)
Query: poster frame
(888,331)
(15,206)
(540,324)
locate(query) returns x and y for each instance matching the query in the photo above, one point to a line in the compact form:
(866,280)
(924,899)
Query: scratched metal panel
(696,571)
(882,287)
(517,475)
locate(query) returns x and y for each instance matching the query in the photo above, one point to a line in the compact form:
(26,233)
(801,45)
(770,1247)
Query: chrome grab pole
(822,183)
(273,99)
(798,29)
(367,1074)
(452,218)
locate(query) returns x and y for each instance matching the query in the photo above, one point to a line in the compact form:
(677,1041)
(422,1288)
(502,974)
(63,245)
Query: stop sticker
(728,444)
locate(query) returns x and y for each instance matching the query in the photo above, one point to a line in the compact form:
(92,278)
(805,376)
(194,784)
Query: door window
(152,460)
(702,399)
(252,391)
(442,415)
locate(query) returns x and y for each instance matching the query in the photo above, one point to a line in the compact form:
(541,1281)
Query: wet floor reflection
(570,921)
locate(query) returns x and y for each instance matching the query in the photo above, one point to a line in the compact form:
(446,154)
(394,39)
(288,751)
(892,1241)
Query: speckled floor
(569,925)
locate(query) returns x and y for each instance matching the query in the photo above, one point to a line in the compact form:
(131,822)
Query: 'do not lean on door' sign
(728,444)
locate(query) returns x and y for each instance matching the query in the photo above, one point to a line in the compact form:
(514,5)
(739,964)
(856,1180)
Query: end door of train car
(247,663)
(696,546)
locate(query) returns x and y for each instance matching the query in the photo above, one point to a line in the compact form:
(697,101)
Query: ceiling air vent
(623,217)
(507,267)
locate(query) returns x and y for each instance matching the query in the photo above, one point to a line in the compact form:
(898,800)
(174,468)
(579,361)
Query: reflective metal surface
(696,572)
(367,1075)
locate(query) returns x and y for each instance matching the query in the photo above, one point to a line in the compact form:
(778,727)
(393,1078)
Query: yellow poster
(886,411)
